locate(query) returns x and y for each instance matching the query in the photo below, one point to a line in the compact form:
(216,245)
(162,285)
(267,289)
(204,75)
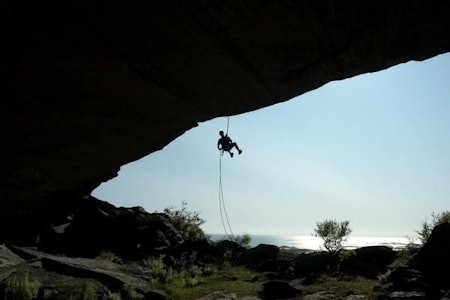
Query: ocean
(309,242)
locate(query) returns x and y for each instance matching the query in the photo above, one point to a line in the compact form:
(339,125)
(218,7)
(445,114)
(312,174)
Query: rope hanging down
(223,209)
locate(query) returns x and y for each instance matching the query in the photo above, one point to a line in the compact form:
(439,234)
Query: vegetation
(187,222)
(404,255)
(157,270)
(230,279)
(189,281)
(436,219)
(243,240)
(108,256)
(333,233)
(21,287)
(342,286)
(127,293)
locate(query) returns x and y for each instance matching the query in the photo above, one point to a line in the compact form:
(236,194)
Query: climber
(226,144)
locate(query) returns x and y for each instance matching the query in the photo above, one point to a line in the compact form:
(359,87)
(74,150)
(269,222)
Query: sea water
(309,242)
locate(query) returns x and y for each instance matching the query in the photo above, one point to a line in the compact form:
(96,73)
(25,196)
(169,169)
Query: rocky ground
(100,253)
(49,276)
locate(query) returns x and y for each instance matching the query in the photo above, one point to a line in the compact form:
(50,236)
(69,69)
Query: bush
(425,231)
(187,222)
(333,233)
(404,255)
(22,287)
(243,240)
(157,269)
(109,257)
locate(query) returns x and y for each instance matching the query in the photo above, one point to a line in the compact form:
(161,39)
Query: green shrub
(191,281)
(87,292)
(194,270)
(243,240)
(21,287)
(333,233)
(76,291)
(404,255)
(160,274)
(187,222)
(109,257)
(436,219)
(128,293)
(209,270)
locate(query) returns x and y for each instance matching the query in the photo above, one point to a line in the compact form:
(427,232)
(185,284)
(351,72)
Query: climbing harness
(223,210)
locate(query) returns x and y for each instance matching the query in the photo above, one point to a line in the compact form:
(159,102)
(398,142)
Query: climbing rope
(223,210)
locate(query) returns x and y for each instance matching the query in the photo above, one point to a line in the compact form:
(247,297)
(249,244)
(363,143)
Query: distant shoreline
(312,243)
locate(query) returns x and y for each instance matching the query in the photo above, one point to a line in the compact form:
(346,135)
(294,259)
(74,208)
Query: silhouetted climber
(226,144)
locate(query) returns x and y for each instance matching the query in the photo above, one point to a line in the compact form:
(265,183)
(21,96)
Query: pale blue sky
(373,149)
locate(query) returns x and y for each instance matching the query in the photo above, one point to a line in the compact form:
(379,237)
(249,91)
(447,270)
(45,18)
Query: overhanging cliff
(88,87)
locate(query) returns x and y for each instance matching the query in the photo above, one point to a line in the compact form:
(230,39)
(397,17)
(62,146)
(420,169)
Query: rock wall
(88,87)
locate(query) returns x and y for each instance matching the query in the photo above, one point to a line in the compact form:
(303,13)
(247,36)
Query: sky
(372,149)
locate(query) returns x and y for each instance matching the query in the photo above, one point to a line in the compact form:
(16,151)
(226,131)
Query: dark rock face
(369,262)
(433,260)
(278,290)
(85,89)
(98,226)
(426,276)
(258,254)
(307,264)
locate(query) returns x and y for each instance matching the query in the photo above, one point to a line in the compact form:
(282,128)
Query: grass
(229,279)
(192,281)
(236,280)
(342,286)
(107,256)
(21,287)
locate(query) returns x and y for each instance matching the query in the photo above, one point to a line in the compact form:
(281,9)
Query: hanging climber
(226,144)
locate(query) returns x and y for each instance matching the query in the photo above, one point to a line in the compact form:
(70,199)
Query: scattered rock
(264,276)
(310,264)
(157,295)
(369,262)
(228,249)
(433,259)
(258,254)
(113,276)
(192,252)
(282,267)
(218,295)
(426,276)
(8,258)
(321,295)
(278,290)
(401,295)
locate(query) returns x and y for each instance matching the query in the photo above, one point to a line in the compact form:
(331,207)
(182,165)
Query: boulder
(156,295)
(217,295)
(426,276)
(309,264)
(282,267)
(189,252)
(278,290)
(257,255)
(368,262)
(98,226)
(227,249)
(433,259)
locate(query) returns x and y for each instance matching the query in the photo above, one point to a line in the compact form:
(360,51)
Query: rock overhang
(86,88)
